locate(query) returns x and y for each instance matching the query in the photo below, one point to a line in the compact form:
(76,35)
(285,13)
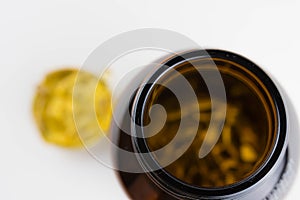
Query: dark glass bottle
(247,159)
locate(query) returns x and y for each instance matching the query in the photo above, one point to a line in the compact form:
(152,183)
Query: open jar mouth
(254,128)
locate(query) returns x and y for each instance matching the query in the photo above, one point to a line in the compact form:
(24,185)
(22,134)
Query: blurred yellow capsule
(53,108)
(248,153)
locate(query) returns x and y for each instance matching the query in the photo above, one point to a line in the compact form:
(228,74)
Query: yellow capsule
(228,164)
(230,178)
(248,153)
(226,136)
(53,108)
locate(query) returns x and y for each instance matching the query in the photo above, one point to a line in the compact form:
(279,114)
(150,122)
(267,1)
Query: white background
(39,36)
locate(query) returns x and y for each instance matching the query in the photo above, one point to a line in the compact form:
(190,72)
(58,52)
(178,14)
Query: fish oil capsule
(53,108)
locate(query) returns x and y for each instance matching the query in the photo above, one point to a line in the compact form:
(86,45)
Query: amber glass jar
(245,161)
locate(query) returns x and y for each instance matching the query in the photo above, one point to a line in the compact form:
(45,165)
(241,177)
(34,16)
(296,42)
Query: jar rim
(180,188)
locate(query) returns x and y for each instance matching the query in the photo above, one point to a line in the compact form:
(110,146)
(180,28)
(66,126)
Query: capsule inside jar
(247,135)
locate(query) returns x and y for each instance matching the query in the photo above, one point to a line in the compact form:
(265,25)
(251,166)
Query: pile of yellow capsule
(67,120)
(234,157)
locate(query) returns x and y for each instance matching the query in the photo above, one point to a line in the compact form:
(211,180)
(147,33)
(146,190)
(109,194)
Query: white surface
(38,36)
